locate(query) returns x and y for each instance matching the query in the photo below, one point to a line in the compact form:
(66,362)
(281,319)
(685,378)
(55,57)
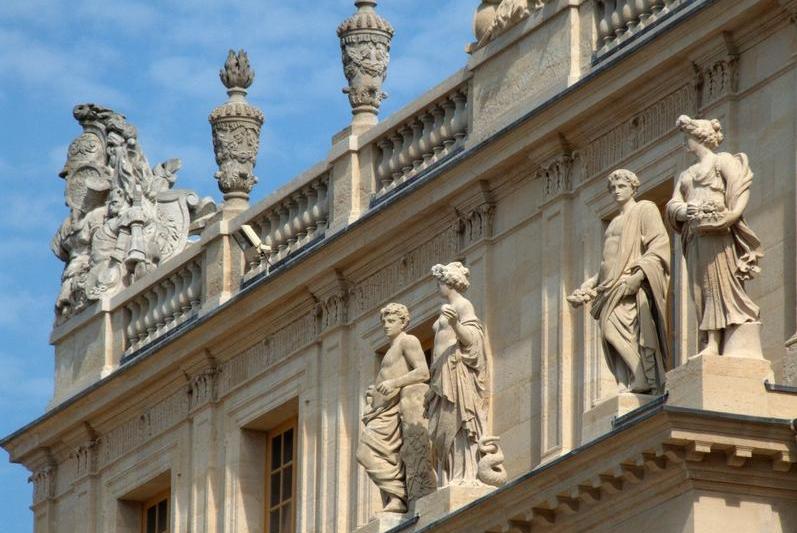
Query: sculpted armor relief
(124,218)
(722,252)
(629,293)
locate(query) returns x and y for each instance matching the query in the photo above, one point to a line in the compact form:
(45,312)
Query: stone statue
(382,448)
(124,218)
(721,251)
(629,293)
(457,402)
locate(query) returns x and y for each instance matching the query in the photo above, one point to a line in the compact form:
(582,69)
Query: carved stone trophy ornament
(457,402)
(722,252)
(629,293)
(236,133)
(124,217)
(365,48)
(394,445)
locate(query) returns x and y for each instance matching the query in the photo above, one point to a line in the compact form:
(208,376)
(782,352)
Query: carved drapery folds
(124,219)
(236,133)
(365,49)
(494,17)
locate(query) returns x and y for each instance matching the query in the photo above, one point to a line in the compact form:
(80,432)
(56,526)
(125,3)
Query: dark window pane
(163,516)
(151,519)
(274,522)
(276,452)
(286,520)
(288,455)
(275,489)
(287,480)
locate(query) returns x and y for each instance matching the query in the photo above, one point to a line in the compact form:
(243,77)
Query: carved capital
(85,458)
(557,175)
(474,221)
(203,388)
(43,481)
(717,75)
(365,50)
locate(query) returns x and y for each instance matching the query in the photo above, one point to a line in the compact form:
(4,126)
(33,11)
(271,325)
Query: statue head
(395,318)
(451,276)
(705,132)
(623,185)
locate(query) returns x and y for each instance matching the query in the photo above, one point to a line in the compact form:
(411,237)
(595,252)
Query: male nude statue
(379,450)
(629,294)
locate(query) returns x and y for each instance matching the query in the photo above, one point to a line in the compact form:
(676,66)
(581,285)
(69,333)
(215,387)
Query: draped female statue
(721,251)
(457,403)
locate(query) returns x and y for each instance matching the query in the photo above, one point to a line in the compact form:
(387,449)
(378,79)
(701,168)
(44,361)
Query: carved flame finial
(236,72)
(236,128)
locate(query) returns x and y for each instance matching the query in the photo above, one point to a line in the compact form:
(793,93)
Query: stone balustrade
(163,306)
(422,140)
(295,220)
(619,20)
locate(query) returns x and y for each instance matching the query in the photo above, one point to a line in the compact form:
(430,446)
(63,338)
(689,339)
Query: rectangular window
(155,514)
(281,479)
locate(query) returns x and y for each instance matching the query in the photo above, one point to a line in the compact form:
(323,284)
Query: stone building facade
(228,380)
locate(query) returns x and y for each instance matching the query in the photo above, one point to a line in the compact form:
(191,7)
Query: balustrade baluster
(195,289)
(447,131)
(460,123)
(630,15)
(404,158)
(167,303)
(395,159)
(604,22)
(323,205)
(415,147)
(179,285)
(298,218)
(290,233)
(275,234)
(425,144)
(436,138)
(284,230)
(185,301)
(385,152)
(149,315)
(617,19)
(130,330)
(310,220)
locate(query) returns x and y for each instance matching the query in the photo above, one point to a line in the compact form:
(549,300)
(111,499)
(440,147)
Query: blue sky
(157,63)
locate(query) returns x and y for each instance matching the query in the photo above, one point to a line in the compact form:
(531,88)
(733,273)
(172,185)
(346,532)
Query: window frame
(154,501)
(281,429)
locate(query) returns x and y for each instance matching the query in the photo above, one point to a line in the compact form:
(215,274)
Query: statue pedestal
(384,522)
(445,501)
(721,383)
(598,420)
